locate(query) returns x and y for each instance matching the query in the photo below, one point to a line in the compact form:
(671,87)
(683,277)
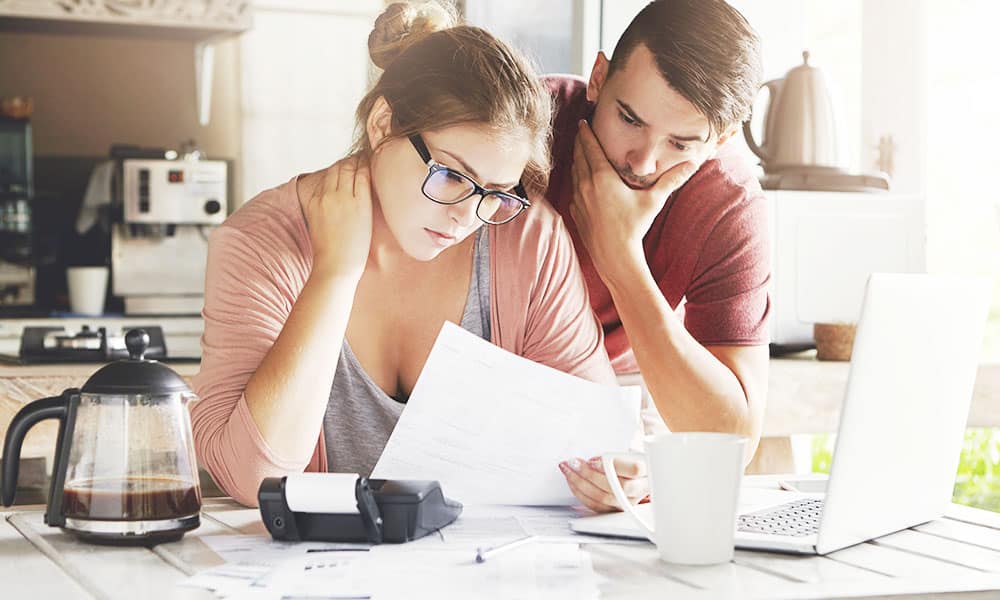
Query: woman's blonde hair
(438,73)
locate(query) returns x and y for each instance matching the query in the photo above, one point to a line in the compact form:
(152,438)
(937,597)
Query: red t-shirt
(709,246)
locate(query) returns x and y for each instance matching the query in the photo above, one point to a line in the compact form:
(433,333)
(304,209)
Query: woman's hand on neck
(338,211)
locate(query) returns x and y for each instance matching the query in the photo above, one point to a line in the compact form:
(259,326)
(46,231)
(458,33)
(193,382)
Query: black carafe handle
(56,407)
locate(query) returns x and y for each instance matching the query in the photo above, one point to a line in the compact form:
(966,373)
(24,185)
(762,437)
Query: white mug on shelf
(87,289)
(695,486)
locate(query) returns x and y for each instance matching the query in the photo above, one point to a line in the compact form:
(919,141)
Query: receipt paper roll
(322,493)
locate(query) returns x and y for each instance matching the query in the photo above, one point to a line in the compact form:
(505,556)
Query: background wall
(305,68)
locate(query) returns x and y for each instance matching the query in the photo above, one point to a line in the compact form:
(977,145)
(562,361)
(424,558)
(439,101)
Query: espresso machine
(17,269)
(159,244)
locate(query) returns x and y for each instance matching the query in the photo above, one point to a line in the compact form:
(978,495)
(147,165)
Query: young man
(669,226)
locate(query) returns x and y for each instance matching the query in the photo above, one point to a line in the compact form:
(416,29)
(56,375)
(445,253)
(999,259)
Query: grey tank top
(359,415)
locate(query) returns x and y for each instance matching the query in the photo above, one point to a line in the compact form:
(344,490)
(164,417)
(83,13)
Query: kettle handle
(773,87)
(56,407)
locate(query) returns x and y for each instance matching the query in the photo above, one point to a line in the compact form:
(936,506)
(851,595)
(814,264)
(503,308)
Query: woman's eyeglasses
(448,186)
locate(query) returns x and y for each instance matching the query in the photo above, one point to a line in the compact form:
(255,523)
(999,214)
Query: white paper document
(261,550)
(438,566)
(317,576)
(484,526)
(542,570)
(492,427)
(549,571)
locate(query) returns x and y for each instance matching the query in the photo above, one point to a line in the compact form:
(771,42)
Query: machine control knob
(212,207)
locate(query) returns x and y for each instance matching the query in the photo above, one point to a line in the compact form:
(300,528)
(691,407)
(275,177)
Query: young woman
(325,295)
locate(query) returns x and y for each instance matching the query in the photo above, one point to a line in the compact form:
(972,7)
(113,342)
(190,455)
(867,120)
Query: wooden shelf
(202,23)
(164,19)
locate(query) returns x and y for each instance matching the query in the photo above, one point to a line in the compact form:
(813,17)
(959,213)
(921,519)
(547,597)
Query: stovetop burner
(60,345)
(86,339)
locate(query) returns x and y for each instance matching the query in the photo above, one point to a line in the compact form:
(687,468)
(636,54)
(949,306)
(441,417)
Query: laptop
(913,368)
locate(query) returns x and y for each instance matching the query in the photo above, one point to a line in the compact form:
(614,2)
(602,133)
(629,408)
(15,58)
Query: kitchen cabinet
(202,22)
(164,18)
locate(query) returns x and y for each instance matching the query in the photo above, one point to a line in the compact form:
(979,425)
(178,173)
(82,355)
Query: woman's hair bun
(403,23)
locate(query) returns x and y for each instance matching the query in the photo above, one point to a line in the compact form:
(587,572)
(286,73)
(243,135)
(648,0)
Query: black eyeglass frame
(477,190)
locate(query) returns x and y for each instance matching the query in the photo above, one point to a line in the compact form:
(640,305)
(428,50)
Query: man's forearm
(692,389)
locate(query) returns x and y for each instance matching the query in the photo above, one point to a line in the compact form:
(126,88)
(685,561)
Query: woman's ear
(379,123)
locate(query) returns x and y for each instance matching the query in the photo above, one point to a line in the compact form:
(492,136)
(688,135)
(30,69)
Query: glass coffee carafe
(124,469)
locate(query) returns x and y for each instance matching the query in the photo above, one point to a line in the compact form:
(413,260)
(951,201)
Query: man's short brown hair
(705,50)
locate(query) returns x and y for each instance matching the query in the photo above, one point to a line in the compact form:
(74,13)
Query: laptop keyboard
(799,518)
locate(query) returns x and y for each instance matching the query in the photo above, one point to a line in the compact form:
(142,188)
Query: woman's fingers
(635,489)
(340,217)
(626,468)
(631,476)
(592,496)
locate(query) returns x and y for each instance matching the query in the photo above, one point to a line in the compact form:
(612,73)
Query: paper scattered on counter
(261,550)
(254,561)
(228,579)
(487,525)
(436,566)
(322,575)
(535,570)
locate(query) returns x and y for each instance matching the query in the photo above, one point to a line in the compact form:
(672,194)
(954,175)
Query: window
(963,84)
(561,36)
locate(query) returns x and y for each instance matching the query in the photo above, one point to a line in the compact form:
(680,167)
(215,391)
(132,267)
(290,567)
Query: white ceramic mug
(695,486)
(87,289)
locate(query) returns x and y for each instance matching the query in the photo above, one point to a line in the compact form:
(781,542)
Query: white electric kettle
(800,127)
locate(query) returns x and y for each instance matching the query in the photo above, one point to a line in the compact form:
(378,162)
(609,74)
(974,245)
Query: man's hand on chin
(612,218)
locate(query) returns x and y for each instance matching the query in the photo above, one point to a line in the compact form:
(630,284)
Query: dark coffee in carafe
(124,470)
(131,499)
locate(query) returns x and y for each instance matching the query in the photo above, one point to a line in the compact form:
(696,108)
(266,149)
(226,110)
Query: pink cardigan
(258,263)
